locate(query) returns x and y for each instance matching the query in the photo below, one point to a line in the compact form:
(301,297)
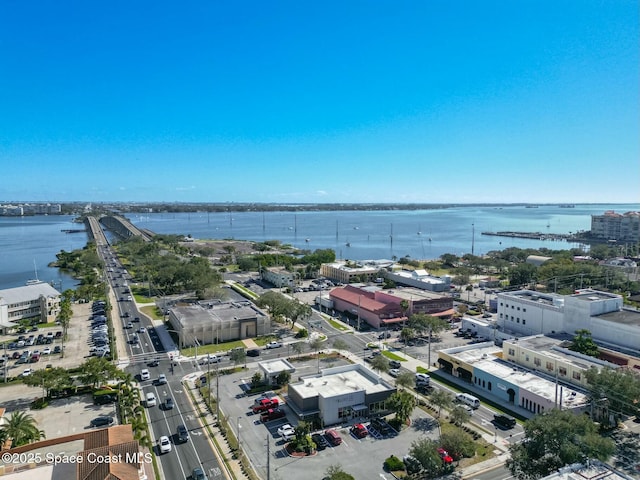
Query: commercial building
(382,308)
(420,279)
(34,303)
(270,369)
(616,227)
(214,321)
(552,357)
(278,276)
(526,312)
(482,366)
(339,395)
(368,305)
(354,271)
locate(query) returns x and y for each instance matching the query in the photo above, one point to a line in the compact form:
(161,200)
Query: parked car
(359,430)
(287,432)
(57,349)
(272,414)
(273,344)
(101,421)
(446,458)
(394,364)
(394,372)
(333,437)
(26,372)
(164,444)
(320,441)
(265,404)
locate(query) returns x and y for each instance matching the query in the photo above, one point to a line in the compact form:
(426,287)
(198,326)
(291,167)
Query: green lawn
(337,325)
(393,356)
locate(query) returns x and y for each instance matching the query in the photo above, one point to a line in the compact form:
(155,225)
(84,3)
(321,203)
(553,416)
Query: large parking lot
(362,457)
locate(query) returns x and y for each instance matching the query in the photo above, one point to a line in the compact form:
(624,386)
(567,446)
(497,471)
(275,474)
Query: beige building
(612,226)
(35,303)
(279,276)
(551,357)
(354,271)
(214,322)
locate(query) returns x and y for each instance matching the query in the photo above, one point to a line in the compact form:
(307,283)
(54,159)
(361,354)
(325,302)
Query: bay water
(353,235)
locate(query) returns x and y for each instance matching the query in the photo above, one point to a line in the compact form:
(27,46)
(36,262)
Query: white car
(142,330)
(27,372)
(164,444)
(144,374)
(394,372)
(287,432)
(210,359)
(274,344)
(151,399)
(46,351)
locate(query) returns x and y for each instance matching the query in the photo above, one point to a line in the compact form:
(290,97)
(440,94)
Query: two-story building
(32,304)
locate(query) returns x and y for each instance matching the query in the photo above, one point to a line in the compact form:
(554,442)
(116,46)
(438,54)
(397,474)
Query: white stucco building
(34,303)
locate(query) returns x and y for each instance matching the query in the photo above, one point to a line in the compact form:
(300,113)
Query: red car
(265,404)
(446,458)
(359,430)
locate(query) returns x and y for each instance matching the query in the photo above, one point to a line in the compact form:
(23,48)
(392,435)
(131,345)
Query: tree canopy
(556,439)
(583,343)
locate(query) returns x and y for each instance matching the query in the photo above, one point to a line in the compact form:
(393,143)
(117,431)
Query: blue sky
(357,101)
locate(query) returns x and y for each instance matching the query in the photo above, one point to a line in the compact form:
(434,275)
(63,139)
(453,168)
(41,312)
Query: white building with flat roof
(420,279)
(482,366)
(339,394)
(272,368)
(526,312)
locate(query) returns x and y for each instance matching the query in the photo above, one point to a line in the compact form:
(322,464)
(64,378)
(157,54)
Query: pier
(536,236)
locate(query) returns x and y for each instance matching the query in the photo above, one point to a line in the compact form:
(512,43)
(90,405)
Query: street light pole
(238,428)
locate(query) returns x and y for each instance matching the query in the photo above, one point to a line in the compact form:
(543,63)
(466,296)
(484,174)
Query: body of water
(420,234)
(361,235)
(29,244)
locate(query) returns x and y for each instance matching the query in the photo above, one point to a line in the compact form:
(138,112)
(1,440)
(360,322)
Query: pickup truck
(266,404)
(272,414)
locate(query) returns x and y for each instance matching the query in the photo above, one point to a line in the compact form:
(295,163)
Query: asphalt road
(197,451)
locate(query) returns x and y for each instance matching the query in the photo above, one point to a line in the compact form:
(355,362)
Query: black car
(153,363)
(182,433)
(320,441)
(254,352)
(168,403)
(102,421)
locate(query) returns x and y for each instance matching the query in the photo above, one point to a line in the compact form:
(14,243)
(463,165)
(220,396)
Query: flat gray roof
(27,293)
(624,317)
(340,380)
(593,295)
(552,348)
(544,298)
(205,315)
(409,293)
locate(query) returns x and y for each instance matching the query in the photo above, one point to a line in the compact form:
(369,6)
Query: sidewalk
(231,467)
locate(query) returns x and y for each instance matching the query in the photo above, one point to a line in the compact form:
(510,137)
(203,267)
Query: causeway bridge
(119,226)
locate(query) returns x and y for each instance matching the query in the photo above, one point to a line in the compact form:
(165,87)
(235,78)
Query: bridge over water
(119,226)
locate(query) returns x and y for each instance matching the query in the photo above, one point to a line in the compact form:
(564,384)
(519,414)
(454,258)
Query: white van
(151,399)
(467,399)
(423,379)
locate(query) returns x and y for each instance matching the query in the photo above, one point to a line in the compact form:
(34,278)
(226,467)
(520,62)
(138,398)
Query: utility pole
(268,459)
(217,392)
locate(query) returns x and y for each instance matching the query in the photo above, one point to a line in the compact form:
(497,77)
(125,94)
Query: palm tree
(21,428)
